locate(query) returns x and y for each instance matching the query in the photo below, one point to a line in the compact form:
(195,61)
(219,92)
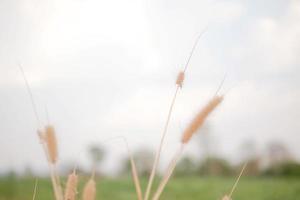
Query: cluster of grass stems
(48,141)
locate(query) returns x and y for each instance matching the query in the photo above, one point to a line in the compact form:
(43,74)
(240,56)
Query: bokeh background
(99,70)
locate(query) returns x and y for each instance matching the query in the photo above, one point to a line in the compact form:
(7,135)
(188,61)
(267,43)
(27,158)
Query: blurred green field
(178,189)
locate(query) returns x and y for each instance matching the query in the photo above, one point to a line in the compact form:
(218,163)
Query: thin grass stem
(169,173)
(237,180)
(35,189)
(134,173)
(158,153)
(31,96)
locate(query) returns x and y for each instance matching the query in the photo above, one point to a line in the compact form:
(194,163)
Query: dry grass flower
(51,143)
(89,190)
(179,83)
(196,123)
(226,198)
(200,118)
(71,187)
(180,79)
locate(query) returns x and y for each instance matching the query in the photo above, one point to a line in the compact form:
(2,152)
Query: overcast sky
(107,68)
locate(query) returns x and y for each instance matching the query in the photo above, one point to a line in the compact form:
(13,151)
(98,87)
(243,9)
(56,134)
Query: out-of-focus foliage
(186,167)
(8,186)
(290,169)
(143,158)
(96,153)
(253,167)
(215,167)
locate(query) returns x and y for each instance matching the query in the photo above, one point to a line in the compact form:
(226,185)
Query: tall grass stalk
(35,189)
(237,180)
(196,124)
(179,83)
(33,104)
(57,192)
(48,142)
(134,172)
(71,186)
(169,172)
(54,180)
(89,190)
(158,153)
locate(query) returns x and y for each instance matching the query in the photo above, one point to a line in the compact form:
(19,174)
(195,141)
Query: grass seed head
(71,187)
(51,143)
(226,198)
(200,118)
(89,191)
(180,79)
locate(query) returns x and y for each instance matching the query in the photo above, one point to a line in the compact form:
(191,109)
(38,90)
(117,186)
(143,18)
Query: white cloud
(276,41)
(227,12)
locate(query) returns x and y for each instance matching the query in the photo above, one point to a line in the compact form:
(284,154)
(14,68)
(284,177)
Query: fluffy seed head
(180,79)
(200,118)
(51,142)
(89,191)
(71,187)
(226,198)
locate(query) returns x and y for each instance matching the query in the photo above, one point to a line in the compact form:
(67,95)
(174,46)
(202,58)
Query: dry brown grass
(180,79)
(158,152)
(51,143)
(48,141)
(35,189)
(237,180)
(198,121)
(196,124)
(226,198)
(89,190)
(135,175)
(179,83)
(168,173)
(71,187)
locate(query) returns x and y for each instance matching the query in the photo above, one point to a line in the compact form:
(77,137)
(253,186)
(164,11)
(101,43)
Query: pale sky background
(107,68)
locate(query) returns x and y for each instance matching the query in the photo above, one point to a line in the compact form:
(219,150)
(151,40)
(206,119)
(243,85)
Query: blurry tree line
(275,161)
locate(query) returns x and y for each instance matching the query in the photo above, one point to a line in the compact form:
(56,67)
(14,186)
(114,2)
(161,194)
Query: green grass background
(197,188)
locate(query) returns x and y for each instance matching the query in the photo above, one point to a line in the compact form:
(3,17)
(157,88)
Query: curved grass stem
(169,173)
(158,153)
